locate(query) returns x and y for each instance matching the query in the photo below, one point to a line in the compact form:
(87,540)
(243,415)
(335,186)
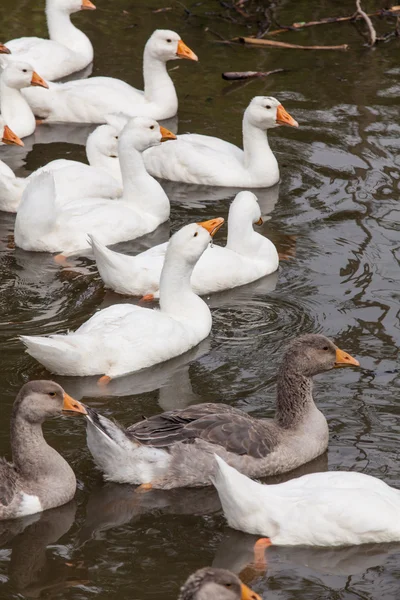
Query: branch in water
(232,75)
(257,42)
(368,22)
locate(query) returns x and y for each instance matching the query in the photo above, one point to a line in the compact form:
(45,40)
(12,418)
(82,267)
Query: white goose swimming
(14,109)
(45,225)
(246,257)
(336,508)
(90,100)
(101,178)
(68,49)
(125,338)
(207,160)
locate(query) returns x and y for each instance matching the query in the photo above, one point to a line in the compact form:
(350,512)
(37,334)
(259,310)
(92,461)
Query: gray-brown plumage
(215,584)
(39,477)
(181,443)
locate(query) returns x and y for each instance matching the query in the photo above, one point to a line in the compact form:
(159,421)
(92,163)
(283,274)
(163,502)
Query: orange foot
(62,260)
(103,381)
(39,121)
(259,552)
(145,487)
(147,298)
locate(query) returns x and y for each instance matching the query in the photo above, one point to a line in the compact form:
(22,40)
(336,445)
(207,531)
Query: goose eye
(116,137)
(325,348)
(52,394)
(196,234)
(228,585)
(152,127)
(268,106)
(24,70)
(169,41)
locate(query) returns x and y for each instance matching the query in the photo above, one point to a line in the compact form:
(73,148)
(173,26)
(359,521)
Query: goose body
(321,509)
(207,160)
(68,50)
(38,478)
(246,257)
(176,448)
(43,224)
(124,338)
(73,179)
(14,109)
(90,100)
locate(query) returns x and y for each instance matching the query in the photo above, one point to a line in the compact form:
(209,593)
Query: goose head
(218,584)
(314,353)
(7,136)
(167,45)
(245,208)
(191,240)
(69,6)
(40,400)
(104,139)
(18,75)
(266,112)
(144,132)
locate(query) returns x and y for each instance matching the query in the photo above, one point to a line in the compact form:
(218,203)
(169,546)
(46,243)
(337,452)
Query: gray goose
(38,478)
(218,584)
(176,448)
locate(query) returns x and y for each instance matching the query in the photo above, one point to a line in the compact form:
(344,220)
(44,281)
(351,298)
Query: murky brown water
(337,208)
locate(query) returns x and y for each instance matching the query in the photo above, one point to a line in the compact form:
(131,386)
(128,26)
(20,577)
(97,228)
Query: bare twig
(368,22)
(232,75)
(264,43)
(327,21)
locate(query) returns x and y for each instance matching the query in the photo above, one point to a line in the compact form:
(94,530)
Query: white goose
(90,100)
(337,508)
(14,109)
(206,160)
(68,49)
(101,178)
(246,257)
(45,225)
(124,338)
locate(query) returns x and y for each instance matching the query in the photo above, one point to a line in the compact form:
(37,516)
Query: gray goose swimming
(176,448)
(215,584)
(38,478)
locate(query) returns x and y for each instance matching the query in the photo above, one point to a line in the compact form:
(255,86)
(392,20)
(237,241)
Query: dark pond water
(336,210)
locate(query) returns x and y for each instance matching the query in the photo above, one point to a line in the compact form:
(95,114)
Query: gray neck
(31,454)
(158,85)
(294,396)
(62,30)
(139,187)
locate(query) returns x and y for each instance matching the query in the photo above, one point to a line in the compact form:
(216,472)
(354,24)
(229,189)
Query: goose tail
(55,353)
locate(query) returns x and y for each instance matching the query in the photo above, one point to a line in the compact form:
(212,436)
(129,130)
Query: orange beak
(343,359)
(260,221)
(10,138)
(71,405)
(4,49)
(87,5)
(283,117)
(184,51)
(212,225)
(37,80)
(166,134)
(247,593)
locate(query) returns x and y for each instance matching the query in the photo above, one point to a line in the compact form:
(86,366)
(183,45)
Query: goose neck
(158,85)
(62,30)
(176,295)
(31,454)
(257,152)
(15,110)
(294,396)
(241,236)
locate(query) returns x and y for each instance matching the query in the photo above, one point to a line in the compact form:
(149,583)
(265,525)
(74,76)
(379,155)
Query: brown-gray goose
(176,448)
(38,478)
(218,584)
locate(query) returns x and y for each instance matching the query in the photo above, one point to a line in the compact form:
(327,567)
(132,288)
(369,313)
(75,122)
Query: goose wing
(217,424)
